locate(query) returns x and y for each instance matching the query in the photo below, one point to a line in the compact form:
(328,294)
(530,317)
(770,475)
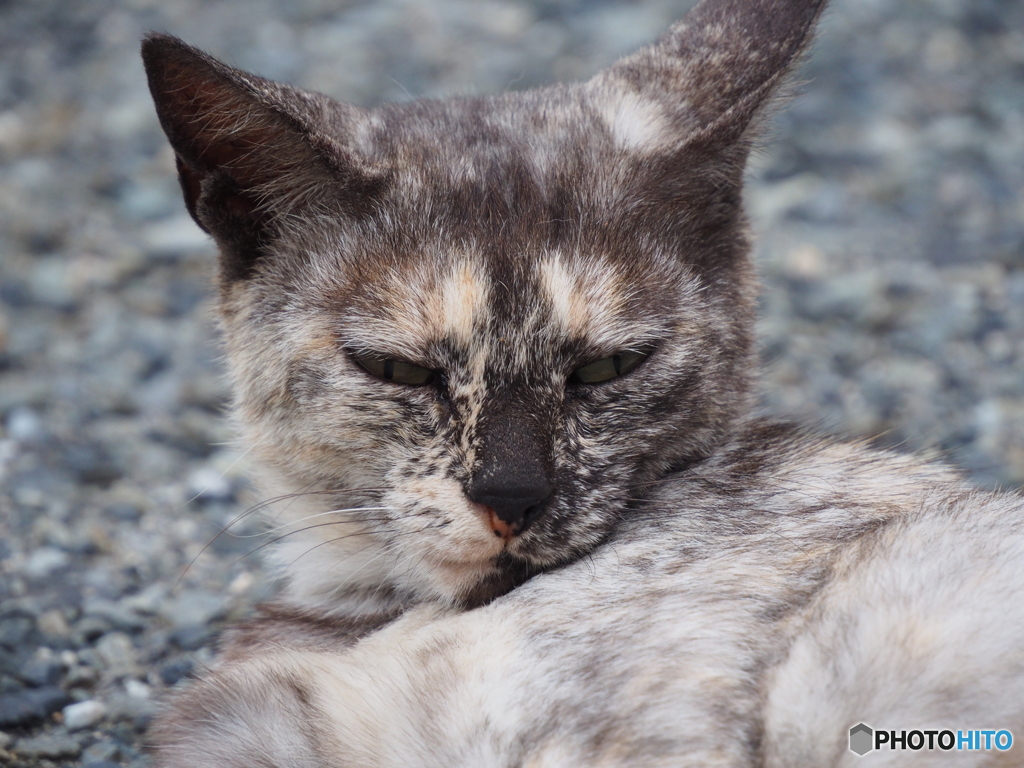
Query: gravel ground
(891,219)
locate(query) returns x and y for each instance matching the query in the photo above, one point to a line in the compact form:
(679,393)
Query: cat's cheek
(441,523)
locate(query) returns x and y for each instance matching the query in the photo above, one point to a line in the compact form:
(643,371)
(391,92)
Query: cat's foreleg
(404,697)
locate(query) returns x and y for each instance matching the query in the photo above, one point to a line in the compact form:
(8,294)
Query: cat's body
(495,355)
(794,589)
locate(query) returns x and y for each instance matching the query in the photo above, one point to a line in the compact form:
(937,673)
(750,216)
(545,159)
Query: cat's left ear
(708,80)
(251,152)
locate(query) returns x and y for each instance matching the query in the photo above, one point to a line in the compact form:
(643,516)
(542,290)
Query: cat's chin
(505,574)
(467,583)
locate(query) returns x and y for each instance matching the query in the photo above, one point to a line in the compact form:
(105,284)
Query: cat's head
(481,327)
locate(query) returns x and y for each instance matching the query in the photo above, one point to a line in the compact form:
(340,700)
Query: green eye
(395,370)
(607,368)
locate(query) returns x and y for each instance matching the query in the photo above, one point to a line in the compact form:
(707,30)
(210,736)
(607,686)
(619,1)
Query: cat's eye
(607,368)
(395,370)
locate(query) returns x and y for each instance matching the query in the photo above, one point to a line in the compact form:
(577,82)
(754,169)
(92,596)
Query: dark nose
(517,505)
(512,476)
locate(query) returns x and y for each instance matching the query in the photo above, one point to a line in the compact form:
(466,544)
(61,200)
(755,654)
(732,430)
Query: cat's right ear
(250,152)
(708,82)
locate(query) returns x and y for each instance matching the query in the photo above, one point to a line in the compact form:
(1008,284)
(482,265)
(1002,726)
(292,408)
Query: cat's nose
(513,476)
(514,506)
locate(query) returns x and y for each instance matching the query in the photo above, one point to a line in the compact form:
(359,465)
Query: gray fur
(700,588)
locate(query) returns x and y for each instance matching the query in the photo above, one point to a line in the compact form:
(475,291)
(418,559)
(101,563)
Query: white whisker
(309,517)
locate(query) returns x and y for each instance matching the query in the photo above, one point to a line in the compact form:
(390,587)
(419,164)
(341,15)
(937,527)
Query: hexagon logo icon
(861,739)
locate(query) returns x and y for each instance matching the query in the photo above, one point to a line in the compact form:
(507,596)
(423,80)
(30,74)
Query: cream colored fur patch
(636,124)
(586,297)
(464,293)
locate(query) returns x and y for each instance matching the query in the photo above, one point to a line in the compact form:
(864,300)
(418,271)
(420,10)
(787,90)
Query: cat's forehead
(534,152)
(543,303)
(507,220)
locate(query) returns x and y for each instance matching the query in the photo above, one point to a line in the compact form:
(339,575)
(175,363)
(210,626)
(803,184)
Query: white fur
(636,123)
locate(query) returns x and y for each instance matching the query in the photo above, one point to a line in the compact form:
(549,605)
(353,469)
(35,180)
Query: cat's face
(469,334)
(491,280)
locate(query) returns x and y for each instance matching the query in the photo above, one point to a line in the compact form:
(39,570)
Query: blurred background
(889,207)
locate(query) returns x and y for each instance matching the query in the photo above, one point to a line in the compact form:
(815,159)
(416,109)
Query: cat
(494,248)
(495,358)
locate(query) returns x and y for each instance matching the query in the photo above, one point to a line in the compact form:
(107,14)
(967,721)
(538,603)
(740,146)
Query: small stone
(207,484)
(31,706)
(147,601)
(52,284)
(53,624)
(90,462)
(44,561)
(176,670)
(48,745)
(10,663)
(88,628)
(117,655)
(124,512)
(81,676)
(172,237)
(21,606)
(136,689)
(118,615)
(5,740)
(15,631)
(805,262)
(24,425)
(42,672)
(83,714)
(88,657)
(123,120)
(126,707)
(102,752)
(194,608)
(28,496)
(191,638)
